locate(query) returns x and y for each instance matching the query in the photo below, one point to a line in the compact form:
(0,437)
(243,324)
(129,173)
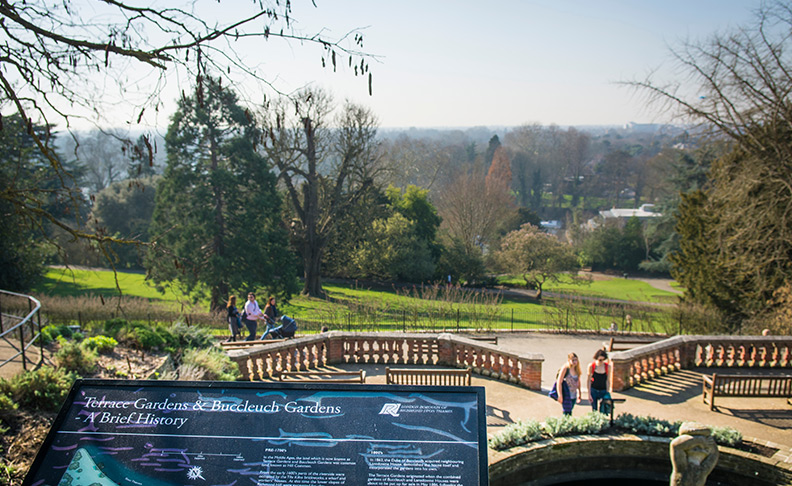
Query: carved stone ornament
(694,455)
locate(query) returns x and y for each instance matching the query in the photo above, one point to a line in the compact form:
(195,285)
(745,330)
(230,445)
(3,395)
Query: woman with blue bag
(568,382)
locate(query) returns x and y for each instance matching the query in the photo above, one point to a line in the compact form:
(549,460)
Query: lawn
(357,307)
(69,282)
(627,289)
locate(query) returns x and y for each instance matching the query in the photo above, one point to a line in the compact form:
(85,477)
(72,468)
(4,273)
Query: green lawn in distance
(67,282)
(628,289)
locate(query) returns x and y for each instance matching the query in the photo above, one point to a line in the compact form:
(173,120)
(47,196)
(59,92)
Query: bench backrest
(433,377)
(752,385)
(319,376)
(620,344)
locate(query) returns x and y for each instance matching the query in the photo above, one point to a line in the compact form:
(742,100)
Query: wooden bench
(424,376)
(745,386)
(358,376)
(486,339)
(624,344)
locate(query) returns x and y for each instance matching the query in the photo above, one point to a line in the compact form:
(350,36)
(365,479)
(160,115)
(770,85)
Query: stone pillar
(335,349)
(694,455)
(620,378)
(531,374)
(446,353)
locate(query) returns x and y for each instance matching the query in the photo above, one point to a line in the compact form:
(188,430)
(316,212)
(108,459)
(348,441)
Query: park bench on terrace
(485,339)
(358,376)
(745,386)
(426,376)
(621,344)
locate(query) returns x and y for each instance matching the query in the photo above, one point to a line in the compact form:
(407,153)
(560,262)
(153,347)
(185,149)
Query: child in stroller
(286,329)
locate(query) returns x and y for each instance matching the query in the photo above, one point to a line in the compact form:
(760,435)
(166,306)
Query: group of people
(569,378)
(251,314)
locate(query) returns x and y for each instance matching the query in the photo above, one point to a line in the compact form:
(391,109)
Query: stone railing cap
(698,339)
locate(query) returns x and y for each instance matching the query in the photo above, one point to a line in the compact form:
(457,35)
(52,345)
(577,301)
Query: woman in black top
(233,319)
(598,379)
(271,312)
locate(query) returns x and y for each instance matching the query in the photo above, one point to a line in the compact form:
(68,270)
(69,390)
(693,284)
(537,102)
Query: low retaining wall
(643,363)
(641,458)
(336,347)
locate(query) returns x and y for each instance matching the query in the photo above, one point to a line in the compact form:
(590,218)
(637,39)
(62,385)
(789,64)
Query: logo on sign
(390,409)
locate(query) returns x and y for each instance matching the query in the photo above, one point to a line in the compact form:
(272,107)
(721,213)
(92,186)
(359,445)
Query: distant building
(552,227)
(644,213)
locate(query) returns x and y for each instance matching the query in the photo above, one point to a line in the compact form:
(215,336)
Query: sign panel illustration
(155,433)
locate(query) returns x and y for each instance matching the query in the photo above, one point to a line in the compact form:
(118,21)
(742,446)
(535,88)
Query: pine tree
(217,218)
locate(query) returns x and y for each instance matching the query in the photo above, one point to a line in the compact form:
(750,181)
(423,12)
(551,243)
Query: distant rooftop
(645,211)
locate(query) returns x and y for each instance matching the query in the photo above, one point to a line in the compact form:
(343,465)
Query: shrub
(726,436)
(521,433)
(591,423)
(73,356)
(558,426)
(50,334)
(113,326)
(6,402)
(43,389)
(647,425)
(191,336)
(213,361)
(101,344)
(516,434)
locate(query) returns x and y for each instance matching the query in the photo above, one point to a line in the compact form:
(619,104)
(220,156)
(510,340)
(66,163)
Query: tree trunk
(312,263)
(314,244)
(220,289)
(218,298)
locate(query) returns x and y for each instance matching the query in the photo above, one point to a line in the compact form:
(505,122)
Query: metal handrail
(34,306)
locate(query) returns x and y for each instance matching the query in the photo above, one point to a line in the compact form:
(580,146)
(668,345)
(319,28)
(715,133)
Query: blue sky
(452,63)
(444,63)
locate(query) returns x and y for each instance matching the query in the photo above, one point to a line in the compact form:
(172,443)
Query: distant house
(552,226)
(644,213)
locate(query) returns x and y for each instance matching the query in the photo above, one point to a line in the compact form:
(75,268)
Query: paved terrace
(674,396)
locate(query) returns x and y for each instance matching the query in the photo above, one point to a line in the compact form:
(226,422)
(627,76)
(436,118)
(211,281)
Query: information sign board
(156,433)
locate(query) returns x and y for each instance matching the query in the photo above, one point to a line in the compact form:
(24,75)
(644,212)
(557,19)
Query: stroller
(285,330)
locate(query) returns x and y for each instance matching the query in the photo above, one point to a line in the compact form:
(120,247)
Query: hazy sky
(447,63)
(455,63)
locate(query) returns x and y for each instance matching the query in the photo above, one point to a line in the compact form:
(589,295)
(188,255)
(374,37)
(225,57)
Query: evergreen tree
(29,187)
(217,216)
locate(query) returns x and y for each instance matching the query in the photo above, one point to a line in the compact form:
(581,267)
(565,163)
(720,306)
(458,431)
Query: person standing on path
(598,380)
(271,312)
(251,316)
(234,321)
(569,374)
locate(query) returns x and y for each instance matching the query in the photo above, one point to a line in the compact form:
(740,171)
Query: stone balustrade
(336,347)
(643,363)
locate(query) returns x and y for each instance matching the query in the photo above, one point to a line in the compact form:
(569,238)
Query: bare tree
(102,159)
(473,210)
(70,60)
(324,169)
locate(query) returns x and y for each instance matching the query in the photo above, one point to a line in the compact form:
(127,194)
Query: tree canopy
(217,221)
(537,256)
(75,62)
(325,170)
(735,245)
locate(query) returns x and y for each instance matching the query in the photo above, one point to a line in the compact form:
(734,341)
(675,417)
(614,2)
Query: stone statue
(694,455)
